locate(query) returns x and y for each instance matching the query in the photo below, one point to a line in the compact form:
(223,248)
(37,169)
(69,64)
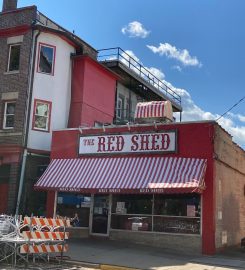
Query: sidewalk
(109,253)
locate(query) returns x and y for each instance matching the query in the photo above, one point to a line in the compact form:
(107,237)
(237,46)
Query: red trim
(209,203)
(54,56)
(13,31)
(10,149)
(10,154)
(49,116)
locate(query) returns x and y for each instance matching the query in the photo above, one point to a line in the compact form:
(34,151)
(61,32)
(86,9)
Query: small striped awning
(154,109)
(125,175)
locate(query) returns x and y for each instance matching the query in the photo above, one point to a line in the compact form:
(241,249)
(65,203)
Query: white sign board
(128,143)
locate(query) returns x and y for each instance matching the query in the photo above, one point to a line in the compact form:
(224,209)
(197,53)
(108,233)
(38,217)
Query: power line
(231,108)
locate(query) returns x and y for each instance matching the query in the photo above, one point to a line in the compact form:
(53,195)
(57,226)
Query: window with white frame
(14,58)
(120,107)
(41,117)
(9,115)
(46,59)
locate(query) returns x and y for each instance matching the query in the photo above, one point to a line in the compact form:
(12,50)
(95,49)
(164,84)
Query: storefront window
(176,224)
(129,222)
(75,207)
(157,213)
(177,205)
(132,204)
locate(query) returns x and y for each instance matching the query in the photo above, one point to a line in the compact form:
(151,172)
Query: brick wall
(9,5)
(230,183)
(14,86)
(13,187)
(22,16)
(181,243)
(16,83)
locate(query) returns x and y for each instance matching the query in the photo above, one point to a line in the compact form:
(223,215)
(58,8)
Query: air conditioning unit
(153,111)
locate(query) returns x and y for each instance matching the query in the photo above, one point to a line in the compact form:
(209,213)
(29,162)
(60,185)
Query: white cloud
(192,112)
(239,117)
(156,72)
(170,51)
(130,54)
(135,29)
(177,68)
(135,64)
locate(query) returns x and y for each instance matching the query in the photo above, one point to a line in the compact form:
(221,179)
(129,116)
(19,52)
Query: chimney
(9,5)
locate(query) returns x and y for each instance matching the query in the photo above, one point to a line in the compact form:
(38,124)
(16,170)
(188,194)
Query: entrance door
(100,214)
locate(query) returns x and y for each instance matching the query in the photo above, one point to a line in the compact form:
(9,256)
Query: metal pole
(55,204)
(21,182)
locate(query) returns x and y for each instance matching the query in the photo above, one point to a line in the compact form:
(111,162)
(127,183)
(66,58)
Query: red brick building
(175,185)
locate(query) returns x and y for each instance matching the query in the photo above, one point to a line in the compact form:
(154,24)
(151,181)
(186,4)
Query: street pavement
(108,253)
(188,266)
(89,254)
(45,267)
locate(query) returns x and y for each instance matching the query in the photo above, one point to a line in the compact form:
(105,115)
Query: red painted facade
(194,140)
(4,188)
(93,93)
(10,154)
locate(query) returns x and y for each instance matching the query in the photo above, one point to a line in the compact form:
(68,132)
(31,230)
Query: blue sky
(196,46)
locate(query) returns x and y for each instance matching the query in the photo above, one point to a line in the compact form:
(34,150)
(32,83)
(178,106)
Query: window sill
(40,72)
(11,72)
(8,129)
(41,130)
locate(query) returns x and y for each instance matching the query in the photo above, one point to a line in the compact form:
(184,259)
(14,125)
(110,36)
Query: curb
(100,266)
(115,267)
(83,264)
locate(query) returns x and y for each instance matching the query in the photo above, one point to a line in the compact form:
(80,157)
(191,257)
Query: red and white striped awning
(125,175)
(154,109)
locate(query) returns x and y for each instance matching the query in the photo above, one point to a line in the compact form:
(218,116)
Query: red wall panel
(50,204)
(93,93)
(4,198)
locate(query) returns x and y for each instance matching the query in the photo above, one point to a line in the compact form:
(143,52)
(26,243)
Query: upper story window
(41,115)
(46,59)
(127,109)
(120,107)
(9,114)
(14,58)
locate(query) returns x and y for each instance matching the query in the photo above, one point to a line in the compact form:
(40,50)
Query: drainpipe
(21,182)
(55,204)
(27,122)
